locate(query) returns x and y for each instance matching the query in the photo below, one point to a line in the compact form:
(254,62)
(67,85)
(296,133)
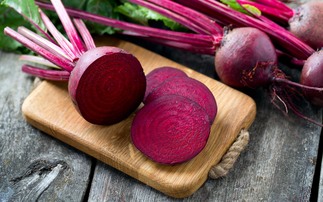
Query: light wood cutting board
(50,109)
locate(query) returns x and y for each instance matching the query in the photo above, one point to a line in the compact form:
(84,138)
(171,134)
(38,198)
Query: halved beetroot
(159,75)
(107,85)
(189,88)
(171,129)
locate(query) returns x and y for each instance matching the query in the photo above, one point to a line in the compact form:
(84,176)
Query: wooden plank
(112,144)
(278,164)
(33,166)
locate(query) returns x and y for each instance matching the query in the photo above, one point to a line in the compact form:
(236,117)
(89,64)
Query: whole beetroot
(312,75)
(306,23)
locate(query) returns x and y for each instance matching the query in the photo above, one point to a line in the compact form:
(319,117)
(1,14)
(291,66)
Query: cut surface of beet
(102,85)
(159,75)
(171,129)
(189,88)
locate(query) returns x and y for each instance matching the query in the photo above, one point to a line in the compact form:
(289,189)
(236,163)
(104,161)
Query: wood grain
(33,165)
(50,109)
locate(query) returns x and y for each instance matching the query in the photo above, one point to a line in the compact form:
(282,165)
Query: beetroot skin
(256,54)
(189,88)
(306,23)
(171,129)
(102,85)
(312,75)
(159,75)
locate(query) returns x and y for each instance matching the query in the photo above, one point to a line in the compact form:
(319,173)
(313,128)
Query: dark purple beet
(171,129)
(246,58)
(189,88)
(312,75)
(306,23)
(159,75)
(107,85)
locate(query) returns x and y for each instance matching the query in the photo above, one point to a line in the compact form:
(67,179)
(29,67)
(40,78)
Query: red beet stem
(271,11)
(184,46)
(276,4)
(202,40)
(187,17)
(223,13)
(61,40)
(86,36)
(43,42)
(54,75)
(69,27)
(38,60)
(57,60)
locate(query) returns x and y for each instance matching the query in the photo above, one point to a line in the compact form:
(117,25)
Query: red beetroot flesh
(257,57)
(312,75)
(158,76)
(171,129)
(306,23)
(189,88)
(107,85)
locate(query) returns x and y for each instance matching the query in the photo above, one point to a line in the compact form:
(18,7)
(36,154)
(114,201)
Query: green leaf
(11,19)
(242,8)
(234,5)
(26,8)
(144,16)
(79,4)
(105,8)
(252,9)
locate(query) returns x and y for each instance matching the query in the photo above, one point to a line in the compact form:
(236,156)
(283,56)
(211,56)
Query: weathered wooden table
(281,163)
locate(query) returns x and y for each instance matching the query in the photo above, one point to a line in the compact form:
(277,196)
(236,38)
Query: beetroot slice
(107,85)
(189,88)
(159,75)
(171,129)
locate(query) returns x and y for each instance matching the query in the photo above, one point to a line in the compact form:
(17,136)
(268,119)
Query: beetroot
(189,88)
(171,129)
(306,23)
(312,75)
(159,75)
(246,57)
(303,21)
(106,84)
(257,67)
(248,61)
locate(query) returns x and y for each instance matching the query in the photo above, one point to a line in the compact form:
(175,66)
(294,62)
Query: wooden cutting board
(50,109)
